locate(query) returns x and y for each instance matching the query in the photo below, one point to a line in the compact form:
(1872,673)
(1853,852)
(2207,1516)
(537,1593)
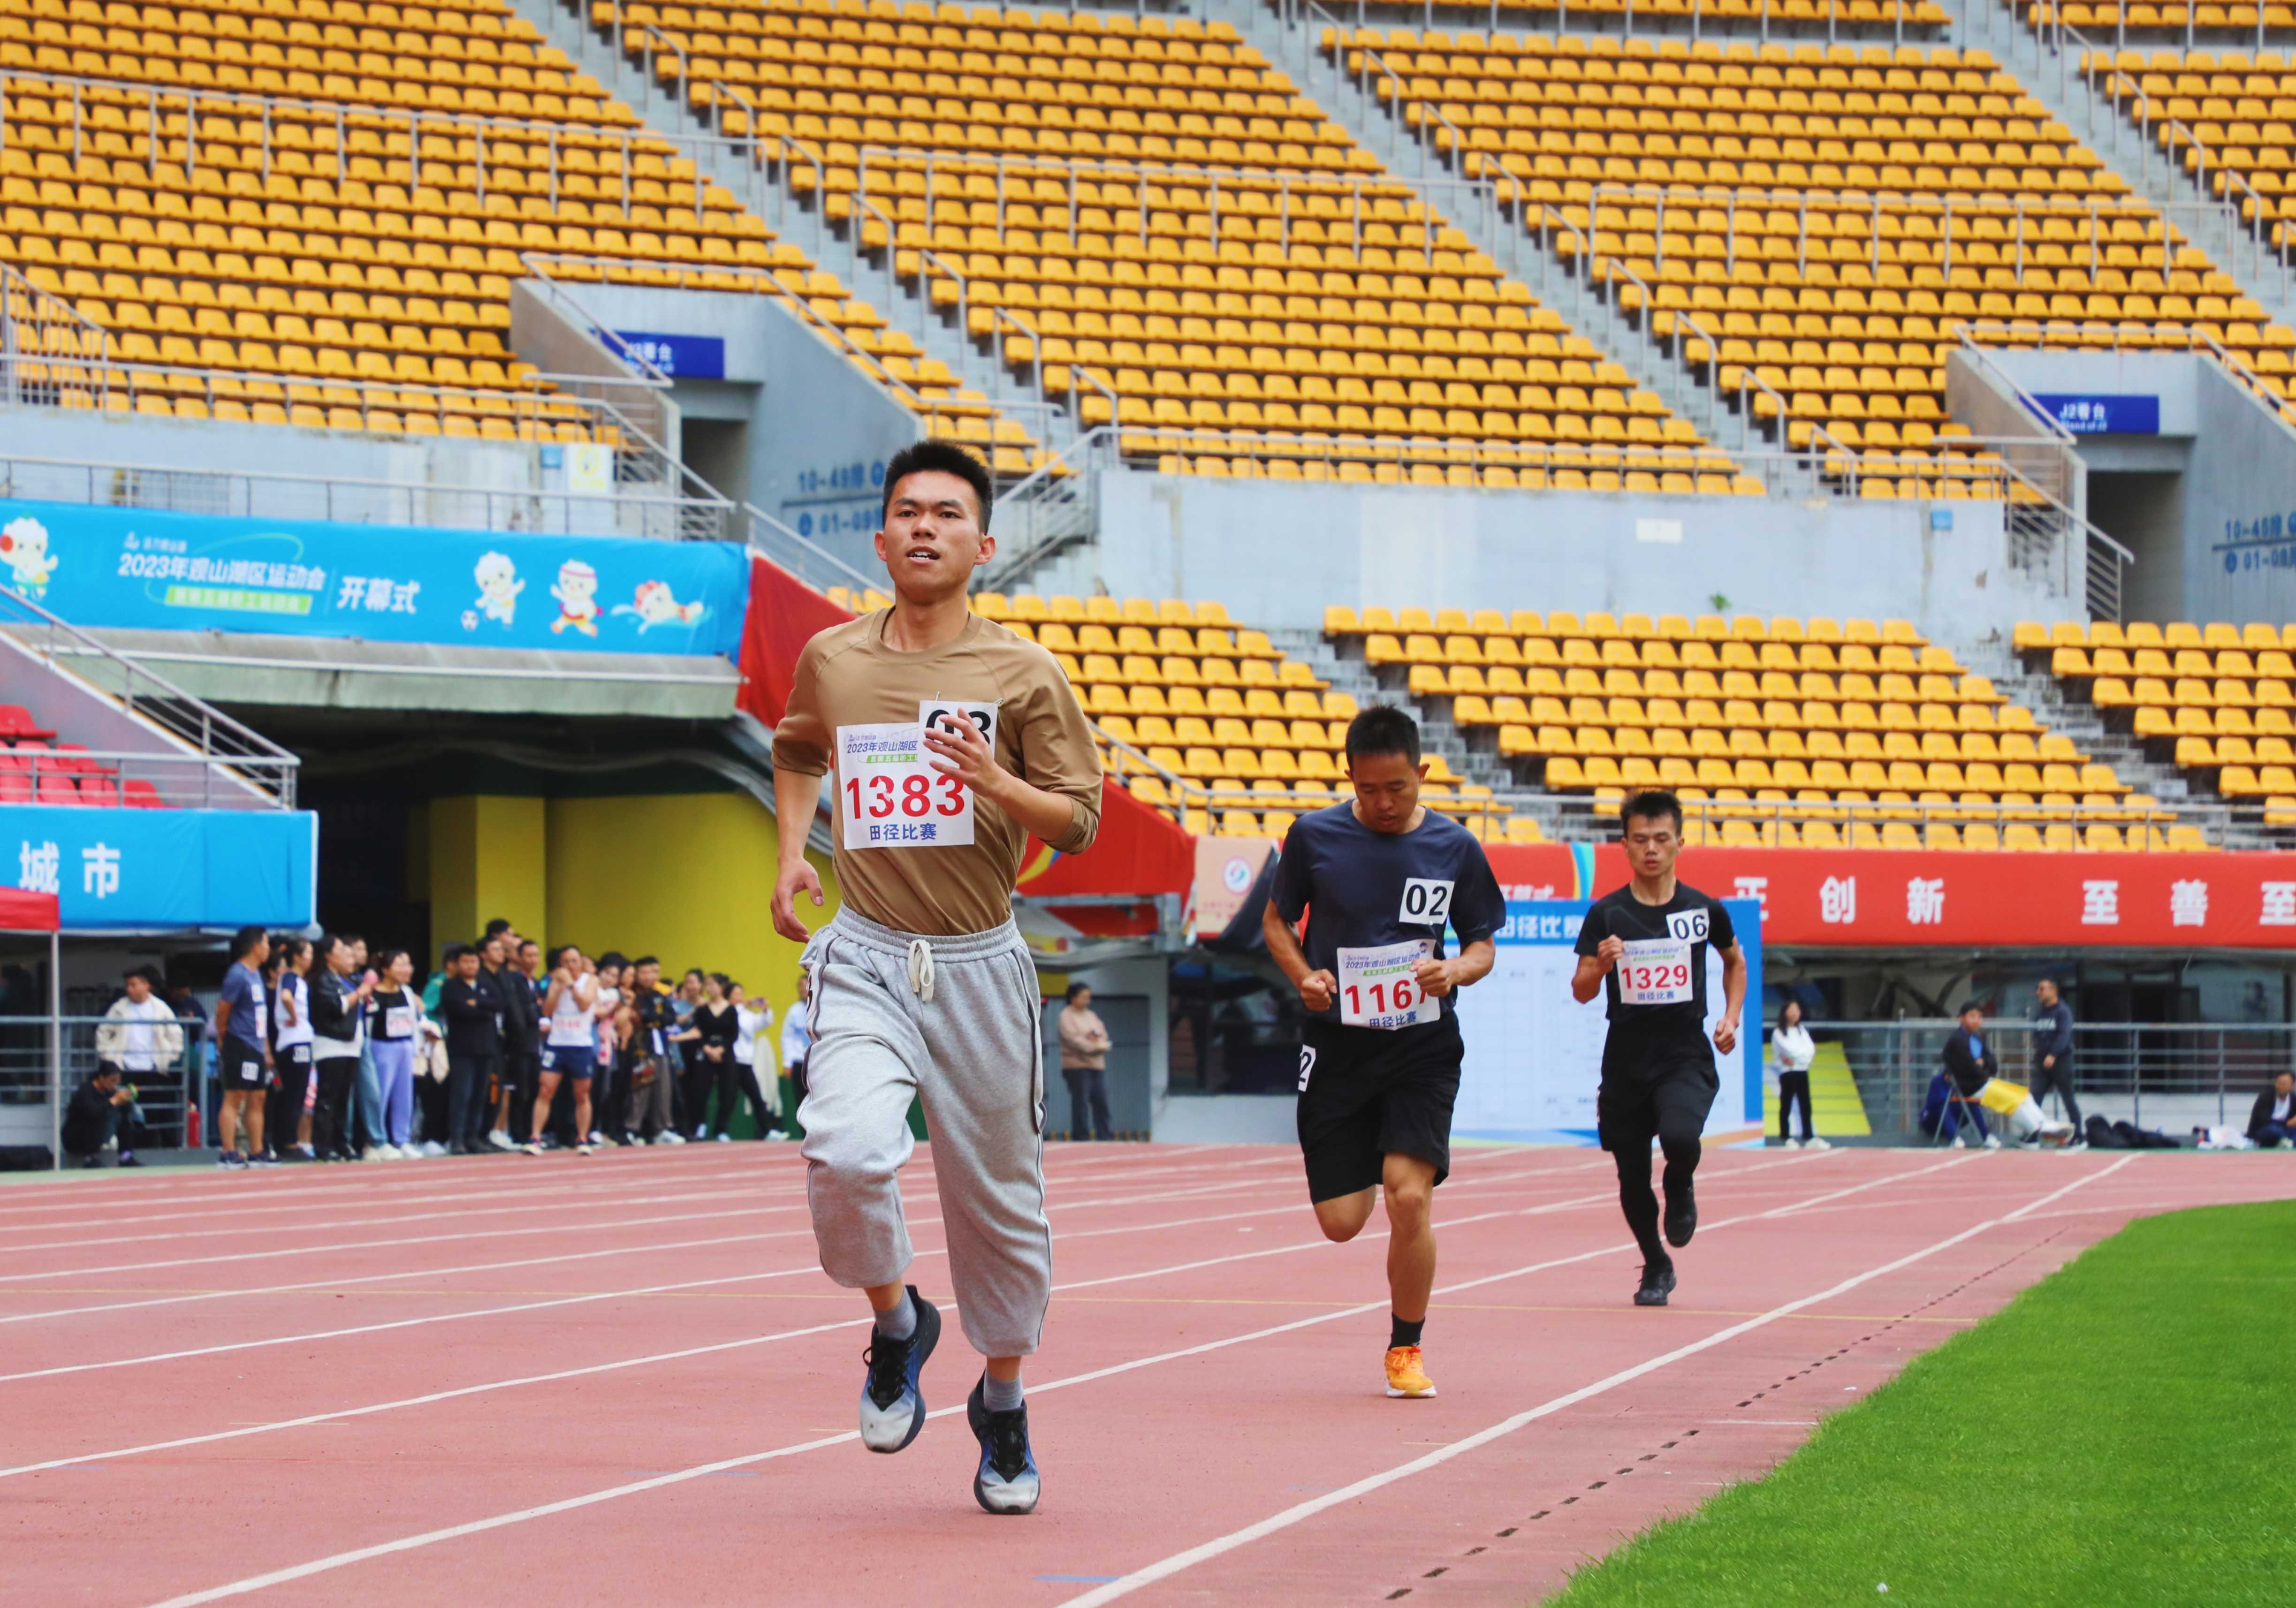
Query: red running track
(625,1380)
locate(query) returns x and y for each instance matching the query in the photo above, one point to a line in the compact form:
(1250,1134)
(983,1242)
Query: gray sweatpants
(956,1021)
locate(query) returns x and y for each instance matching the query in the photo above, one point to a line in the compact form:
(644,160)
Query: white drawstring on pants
(920,969)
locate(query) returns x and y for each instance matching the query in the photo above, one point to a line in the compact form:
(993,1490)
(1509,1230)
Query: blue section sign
(679,356)
(2104,415)
(134,568)
(113,869)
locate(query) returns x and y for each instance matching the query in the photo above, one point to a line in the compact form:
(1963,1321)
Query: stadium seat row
(2005,217)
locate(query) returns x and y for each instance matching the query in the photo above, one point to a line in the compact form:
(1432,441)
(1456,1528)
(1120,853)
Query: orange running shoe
(1406,1375)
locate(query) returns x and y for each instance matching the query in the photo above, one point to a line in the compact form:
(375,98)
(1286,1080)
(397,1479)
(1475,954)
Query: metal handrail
(802,554)
(124,474)
(228,748)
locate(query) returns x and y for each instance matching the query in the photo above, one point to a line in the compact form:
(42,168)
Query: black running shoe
(267,1157)
(1658,1281)
(892,1404)
(1681,1216)
(1006,1481)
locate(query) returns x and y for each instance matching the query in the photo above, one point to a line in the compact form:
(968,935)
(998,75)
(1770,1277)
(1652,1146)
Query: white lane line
(634,1250)
(1177,1561)
(371,1181)
(492,1234)
(600,1296)
(461,1213)
(410,1543)
(710,1350)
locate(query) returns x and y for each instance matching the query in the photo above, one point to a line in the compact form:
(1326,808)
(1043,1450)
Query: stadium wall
(814,432)
(686,876)
(1276,554)
(2205,496)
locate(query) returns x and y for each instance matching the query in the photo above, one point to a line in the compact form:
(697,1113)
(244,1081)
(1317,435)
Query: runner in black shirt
(1645,945)
(1379,878)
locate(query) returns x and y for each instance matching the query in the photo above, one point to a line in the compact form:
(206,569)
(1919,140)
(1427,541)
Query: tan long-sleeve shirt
(847,677)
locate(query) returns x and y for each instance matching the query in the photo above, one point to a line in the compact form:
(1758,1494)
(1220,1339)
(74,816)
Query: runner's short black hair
(456,952)
(1971,1005)
(1076,988)
(948,458)
(243,941)
(1652,805)
(1382,729)
(613,957)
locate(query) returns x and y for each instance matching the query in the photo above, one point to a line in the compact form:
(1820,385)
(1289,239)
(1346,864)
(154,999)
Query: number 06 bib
(1378,989)
(1655,972)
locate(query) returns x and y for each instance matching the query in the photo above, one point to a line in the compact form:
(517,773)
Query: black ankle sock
(1401,1333)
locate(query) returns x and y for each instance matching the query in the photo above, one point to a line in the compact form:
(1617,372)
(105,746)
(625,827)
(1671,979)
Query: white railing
(235,766)
(346,499)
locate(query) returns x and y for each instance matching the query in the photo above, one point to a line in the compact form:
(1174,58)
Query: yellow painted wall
(486,859)
(686,876)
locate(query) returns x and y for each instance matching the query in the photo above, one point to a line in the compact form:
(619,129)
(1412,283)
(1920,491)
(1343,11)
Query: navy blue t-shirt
(244,990)
(1366,890)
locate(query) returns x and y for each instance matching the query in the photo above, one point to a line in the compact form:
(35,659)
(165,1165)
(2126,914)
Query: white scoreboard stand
(1534,1055)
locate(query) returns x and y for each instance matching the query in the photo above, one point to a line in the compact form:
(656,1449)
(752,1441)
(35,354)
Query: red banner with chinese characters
(1898,898)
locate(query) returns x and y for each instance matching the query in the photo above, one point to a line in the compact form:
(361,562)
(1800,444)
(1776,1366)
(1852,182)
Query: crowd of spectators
(327,1053)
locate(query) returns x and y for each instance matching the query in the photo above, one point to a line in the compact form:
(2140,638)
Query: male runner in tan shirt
(948,741)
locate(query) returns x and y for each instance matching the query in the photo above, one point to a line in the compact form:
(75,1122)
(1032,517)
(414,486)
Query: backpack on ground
(2134,1137)
(2102,1136)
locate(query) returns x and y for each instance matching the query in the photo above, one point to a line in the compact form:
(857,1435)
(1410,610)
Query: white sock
(1000,1395)
(898,1322)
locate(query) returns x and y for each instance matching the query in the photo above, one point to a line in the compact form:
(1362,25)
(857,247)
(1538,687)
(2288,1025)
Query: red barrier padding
(1903,899)
(1138,850)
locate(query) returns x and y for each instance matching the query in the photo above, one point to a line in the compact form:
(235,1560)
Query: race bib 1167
(1378,987)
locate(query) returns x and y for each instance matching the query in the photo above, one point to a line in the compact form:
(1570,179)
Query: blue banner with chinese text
(164,869)
(135,568)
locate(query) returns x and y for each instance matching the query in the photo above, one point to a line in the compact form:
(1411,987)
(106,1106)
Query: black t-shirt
(1662,941)
(1366,890)
(719,1026)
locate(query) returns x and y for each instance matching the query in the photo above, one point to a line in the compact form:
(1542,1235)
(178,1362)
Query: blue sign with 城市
(133,568)
(679,356)
(2104,415)
(163,868)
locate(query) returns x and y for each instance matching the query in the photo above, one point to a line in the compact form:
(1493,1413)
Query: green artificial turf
(2121,1434)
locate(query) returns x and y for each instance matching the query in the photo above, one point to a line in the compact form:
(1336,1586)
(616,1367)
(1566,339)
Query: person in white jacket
(139,1033)
(1791,1051)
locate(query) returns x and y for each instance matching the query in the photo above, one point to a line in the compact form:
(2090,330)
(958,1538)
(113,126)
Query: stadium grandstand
(432,431)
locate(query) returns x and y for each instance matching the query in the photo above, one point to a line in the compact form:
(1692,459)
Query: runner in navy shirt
(1379,880)
(242,1029)
(1645,945)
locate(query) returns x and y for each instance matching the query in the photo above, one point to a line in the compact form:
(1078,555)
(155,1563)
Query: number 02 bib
(1377,988)
(1655,971)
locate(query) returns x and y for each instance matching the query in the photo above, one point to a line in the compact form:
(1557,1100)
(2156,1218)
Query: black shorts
(1651,1085)
(243,1067)
(1366,1093)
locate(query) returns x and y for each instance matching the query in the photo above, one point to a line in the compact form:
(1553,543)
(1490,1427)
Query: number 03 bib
(1655,972)
(1378,989)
